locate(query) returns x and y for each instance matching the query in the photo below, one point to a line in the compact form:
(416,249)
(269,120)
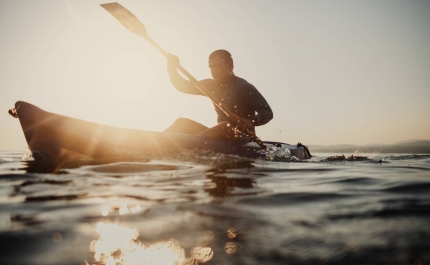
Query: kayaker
(240,97)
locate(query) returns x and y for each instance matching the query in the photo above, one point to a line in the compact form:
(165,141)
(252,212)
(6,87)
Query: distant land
(408,147)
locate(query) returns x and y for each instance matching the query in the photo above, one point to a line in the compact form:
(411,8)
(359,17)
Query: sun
(129,76)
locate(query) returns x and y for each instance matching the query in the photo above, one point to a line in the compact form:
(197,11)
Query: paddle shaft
(132,23)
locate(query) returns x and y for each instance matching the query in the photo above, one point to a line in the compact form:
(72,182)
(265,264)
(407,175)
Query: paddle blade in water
(126,18)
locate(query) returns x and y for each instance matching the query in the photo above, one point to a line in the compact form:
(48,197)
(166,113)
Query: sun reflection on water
(123,209)
(105,210)
(230,248)
(120,245)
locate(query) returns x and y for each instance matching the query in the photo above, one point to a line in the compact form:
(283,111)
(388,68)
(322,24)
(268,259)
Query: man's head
(221,65)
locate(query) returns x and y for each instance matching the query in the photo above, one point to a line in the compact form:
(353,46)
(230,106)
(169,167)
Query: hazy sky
(333,72)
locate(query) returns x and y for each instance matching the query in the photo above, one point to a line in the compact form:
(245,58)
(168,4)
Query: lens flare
(57,237)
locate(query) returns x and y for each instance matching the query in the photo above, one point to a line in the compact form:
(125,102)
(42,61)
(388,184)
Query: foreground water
(190,208)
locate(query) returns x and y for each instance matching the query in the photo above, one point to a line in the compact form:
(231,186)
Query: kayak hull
(51,136)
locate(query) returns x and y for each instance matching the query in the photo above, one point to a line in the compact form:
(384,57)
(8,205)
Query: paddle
(132,23)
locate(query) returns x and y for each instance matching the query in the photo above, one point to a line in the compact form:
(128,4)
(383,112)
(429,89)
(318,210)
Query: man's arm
(260,105)
(177,80)
(264,115)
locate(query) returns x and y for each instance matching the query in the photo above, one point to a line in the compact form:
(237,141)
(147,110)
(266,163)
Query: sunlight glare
(105,210)
(202,254)
(119,245)
(230,248)
(127,75)
(231,233)
(123,210)
(136,208)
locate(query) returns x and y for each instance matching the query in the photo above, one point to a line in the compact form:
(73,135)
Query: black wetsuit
(237,95)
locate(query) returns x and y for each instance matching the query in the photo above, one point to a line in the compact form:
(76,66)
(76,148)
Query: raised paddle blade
(126,18)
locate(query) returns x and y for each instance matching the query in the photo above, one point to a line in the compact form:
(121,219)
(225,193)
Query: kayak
(51,136)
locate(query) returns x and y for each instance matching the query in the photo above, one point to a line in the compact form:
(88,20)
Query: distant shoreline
(408,147)
(412,147)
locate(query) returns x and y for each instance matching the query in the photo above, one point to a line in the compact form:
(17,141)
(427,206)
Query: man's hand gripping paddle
(132,23)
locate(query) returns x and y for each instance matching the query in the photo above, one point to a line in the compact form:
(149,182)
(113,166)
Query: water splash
(278,153)
(28,155)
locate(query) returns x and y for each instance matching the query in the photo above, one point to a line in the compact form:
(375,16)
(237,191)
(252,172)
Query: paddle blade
(126,18)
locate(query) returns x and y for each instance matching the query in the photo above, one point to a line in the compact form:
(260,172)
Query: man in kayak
(239,96)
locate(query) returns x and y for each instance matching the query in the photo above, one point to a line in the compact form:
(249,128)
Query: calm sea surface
(190,208)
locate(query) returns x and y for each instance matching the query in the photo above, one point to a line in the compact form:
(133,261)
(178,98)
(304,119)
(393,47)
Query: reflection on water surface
(195,209)
(120,245)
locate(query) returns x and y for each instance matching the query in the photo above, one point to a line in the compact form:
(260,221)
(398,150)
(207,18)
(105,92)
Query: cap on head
(223,54)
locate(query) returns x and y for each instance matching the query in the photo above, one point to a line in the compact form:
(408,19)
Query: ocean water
(203,208)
